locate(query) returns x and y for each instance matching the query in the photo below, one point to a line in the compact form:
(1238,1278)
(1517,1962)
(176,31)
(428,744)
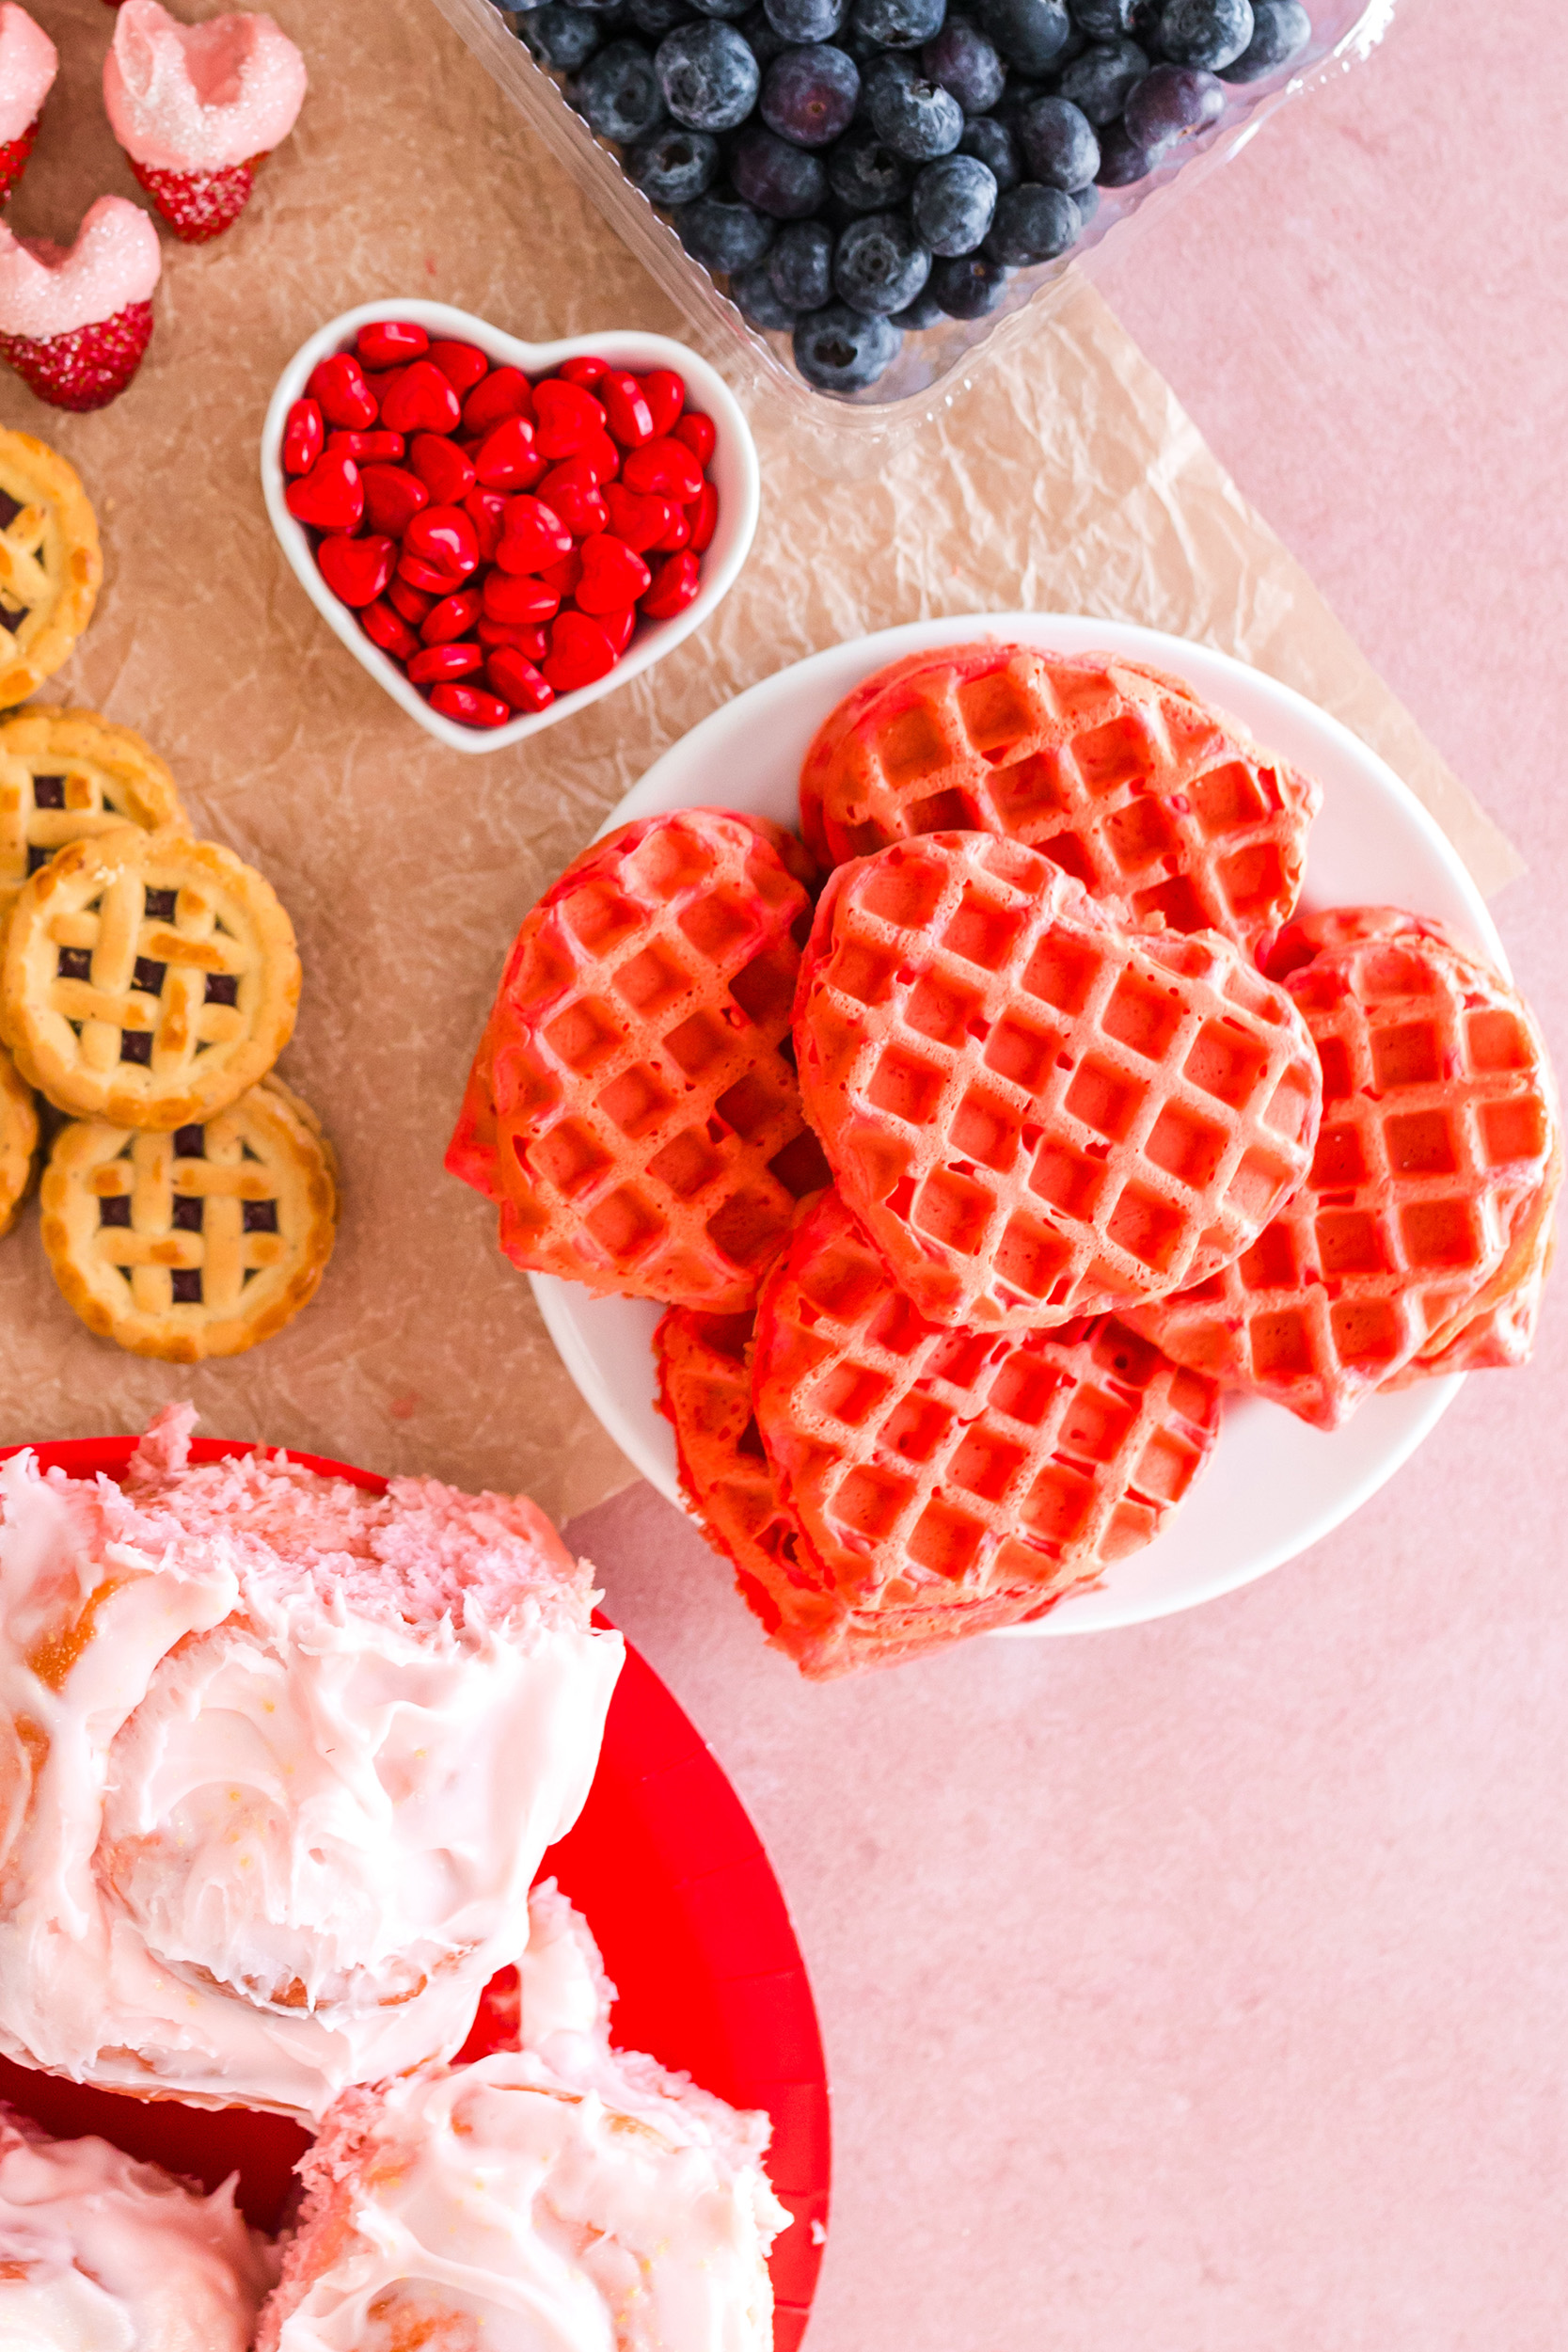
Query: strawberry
(88,367)
(13,158)
(199,205)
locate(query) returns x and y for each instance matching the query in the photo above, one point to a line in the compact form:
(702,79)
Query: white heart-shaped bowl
(733,471)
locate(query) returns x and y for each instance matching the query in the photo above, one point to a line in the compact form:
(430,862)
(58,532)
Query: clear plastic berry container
(852,434)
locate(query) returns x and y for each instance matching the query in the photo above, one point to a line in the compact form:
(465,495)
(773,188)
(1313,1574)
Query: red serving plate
(671,1877)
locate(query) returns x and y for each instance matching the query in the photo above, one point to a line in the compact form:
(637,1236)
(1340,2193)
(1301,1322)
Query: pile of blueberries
(859,168)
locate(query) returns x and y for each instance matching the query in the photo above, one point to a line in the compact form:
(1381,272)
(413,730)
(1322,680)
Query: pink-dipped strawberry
(197,107)
(28,63)
(74,323)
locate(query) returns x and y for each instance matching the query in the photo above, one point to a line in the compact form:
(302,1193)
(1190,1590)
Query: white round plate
(1274,1486)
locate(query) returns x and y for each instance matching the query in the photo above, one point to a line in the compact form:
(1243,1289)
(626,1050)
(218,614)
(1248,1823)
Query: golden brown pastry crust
(67,775)
(19,1139)
(51,565)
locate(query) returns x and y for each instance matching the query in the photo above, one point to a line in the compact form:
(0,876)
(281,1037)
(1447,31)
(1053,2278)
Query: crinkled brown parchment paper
(1068,478)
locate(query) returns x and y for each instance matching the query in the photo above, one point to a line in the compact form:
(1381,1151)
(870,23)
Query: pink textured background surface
(1200,1988)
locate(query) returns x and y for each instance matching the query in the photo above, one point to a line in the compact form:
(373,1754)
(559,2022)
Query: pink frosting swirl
(47,289)
(199,97)
(28,63)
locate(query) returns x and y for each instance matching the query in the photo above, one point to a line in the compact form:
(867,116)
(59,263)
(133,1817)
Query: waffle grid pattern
(1038,1115)
(50,563)
(146,978)
(931,1470)
(1120,776)
(649,1127)
(66,776)
(1438,1130)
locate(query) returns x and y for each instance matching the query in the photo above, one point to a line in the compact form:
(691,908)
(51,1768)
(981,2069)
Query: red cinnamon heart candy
(390,630)
(533,644)
(504,392)
(445,538)
(417,575)
(422,401)
(411,603)
(464,365)
(612,576)
(304,436)
(665,395)
(454,616)
(704,519)
(517,680)
(384,342)
(699,433)
(667,468)
(447,474)
(329,498)
(338,382)
(565,417)
(580,651)
(563,577)
(486,511)
(571,490)
(675,584)
(642,523)
(679,532)
(392,497)
(367,449)
(471,705)
(535,537)
(520,598)
(356,570)
(626,409)
(436,662)
(618,627)
(506,459)
(583,368)
(601,454)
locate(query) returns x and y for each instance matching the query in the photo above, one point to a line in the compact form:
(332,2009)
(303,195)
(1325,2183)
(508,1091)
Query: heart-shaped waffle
(1438,1138)
(19,1139)
(946,1482)
(50,563)
(197,1244)
(146,978)
(649,1137)
(66,774)
(1037,1113)
(1118,774)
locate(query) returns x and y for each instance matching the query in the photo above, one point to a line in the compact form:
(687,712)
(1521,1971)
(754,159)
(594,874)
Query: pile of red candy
(499,539)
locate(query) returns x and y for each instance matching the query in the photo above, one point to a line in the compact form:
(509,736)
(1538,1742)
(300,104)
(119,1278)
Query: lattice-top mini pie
(66,775)
(50,563)
(147,979)
(19,1139)
(196,1244)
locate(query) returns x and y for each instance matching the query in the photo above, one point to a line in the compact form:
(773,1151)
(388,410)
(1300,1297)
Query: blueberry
(755,297)
(917,119)
(880,264)
(925,311)
(658,17)
(806,19)
(618,92)
(810,95)
(969,287)
(994,146)
(800,264)
(757,30)
(1087,201)
(673,166)
(780,180)
(1060,149)
(1029,33)
(1280,31)
(965,62)
(865,176)
(1170,103)
(1033,224)
(953,203)
(1205,33)
(1122,160)
(1105,20)
(842,351)
(1100,81)
(723,232)
(561,36)
(708,77)
(722,7)
(899,23)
